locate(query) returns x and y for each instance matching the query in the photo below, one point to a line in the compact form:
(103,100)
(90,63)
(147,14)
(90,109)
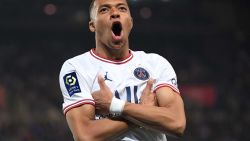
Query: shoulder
(74,63)
(150,57)
(82,58)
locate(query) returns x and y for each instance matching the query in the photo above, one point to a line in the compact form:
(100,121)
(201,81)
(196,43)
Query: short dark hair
(91,6)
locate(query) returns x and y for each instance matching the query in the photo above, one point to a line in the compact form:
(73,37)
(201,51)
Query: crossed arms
(162,110)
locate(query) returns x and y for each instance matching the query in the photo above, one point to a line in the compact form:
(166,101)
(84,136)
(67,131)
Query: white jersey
(126,79)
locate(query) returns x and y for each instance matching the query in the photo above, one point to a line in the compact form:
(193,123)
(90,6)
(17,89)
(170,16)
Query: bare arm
(85,128)
(168,116)
(163,110)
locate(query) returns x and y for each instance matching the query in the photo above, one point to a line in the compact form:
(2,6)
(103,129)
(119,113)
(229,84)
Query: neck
(112,53)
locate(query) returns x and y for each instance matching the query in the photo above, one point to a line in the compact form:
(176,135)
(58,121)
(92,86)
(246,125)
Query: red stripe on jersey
(166,85)
(128,58)
(77,104)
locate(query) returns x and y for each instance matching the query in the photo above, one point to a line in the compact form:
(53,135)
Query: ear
(92,26)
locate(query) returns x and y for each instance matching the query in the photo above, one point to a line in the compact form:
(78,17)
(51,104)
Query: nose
(114,14)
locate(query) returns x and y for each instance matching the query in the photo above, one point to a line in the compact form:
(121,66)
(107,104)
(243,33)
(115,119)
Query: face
(111,22)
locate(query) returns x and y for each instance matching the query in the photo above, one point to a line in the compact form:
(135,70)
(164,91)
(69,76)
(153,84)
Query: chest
(126,82)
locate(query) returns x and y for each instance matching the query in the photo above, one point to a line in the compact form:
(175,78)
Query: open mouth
(117,28)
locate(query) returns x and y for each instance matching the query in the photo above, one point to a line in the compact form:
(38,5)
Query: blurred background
(206,41)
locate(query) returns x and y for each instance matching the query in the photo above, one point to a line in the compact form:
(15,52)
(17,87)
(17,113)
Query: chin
(116,47)
(119,45)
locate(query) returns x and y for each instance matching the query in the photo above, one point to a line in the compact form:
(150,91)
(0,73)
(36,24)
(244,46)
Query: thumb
(101,82)
(150,84)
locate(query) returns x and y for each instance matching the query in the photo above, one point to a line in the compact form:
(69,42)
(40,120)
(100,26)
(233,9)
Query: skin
(104,14)
(166,105)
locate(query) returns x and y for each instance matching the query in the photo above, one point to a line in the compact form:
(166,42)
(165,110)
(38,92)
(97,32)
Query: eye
(103,10)
(122,9)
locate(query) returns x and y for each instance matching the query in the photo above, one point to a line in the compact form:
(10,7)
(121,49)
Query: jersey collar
(128,58)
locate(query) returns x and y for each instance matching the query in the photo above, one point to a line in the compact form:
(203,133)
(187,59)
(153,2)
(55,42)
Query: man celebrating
(114,93)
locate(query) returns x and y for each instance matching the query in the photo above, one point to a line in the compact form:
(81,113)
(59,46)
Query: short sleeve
(74,88)
(165,75)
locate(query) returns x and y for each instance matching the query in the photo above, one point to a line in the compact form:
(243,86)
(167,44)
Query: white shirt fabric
(126,79)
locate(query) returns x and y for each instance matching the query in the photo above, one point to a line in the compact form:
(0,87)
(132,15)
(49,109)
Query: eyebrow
(116,5)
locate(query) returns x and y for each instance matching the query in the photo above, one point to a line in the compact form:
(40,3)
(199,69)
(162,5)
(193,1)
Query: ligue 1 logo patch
(71,83)
(141,73)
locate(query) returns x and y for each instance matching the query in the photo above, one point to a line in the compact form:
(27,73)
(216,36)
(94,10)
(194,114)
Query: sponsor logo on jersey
(141,73)
(71,83)
(106,77)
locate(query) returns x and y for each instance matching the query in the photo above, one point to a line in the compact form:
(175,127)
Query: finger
(101,82)
(150,84)
(94,95)
(95,92)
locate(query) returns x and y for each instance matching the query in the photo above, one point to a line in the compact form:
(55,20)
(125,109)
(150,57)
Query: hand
(148,97)
(102,97)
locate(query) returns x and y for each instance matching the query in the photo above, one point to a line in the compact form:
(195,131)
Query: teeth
(117,28)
